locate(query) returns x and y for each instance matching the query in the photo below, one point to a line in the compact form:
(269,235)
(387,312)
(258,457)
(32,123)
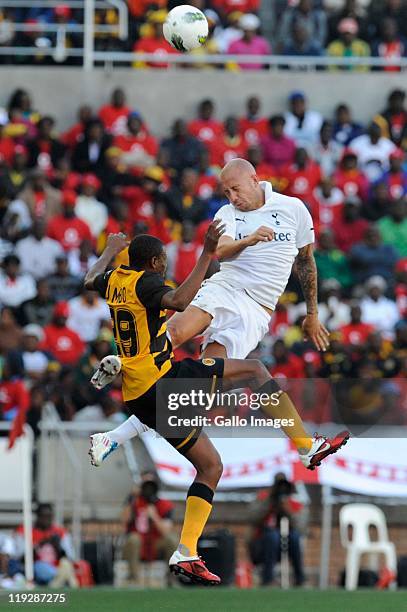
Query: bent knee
(258,371)
(212,468)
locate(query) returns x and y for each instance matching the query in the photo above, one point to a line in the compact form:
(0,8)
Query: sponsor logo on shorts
(208,361)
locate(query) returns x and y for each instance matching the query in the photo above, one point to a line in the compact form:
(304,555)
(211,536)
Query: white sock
(126,431)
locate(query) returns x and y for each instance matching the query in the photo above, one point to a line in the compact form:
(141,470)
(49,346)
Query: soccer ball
(185,28)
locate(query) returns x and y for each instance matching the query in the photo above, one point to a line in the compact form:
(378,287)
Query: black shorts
(186,375)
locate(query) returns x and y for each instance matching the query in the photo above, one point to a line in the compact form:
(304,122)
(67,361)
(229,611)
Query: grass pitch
(221,600)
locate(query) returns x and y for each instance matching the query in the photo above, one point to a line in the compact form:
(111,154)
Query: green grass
(190,599)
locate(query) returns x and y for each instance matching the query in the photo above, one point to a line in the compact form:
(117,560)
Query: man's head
(134,123)
(43,292)
(277,123)
(94,130)
(300,34)
(253,106)
(348,30)
(90,185)
(241,185)
(396,100)
(149,487)
(349,160)
(60,314)
(153,179)
(375,287)
(179,129)
(343,114)
(255,155)
(118,98)
(280,351)
(69,198)
(45,127)
(85,113)
(189,180)
(38,229)
(62,268)
(147,253)
(374,132)
(372,237)
(351,208)
(11,265)
(389,29)
(45,516)
(206,109)
(188,232)
(355,314)
(398,210)
(231,126)
(32,336)
(326,132)
(326,240)
(249,24)
(305,6)
(297,103)
(301,157)
(396,160)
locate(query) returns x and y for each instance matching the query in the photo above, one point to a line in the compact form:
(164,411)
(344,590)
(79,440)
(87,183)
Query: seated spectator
(393,227)
(278,148)
(302,44)
(81,259)
(393,119)
(285,363)
(10,331)
(53,550)
(147,522)
(14,396)
(354,9)
(331,262)
(379,10)
(344,128)
(37,252)
(35,361)
(309,17)
(38,310)
(348,45)
(396,176)
(45,150)
(182,255)
(378,310)
(229,146)
(326,205)
(182,150)
(75,133)
(349,228)
(88,208)
(41,199)
(373,151)
(15,286)
(154,42)
(89,153)
(61,341)
(205,127)
(349,178)
(225,7)
(390,45)
(183,204)
(67,228)
(301,124)
(208,177)
(87,311)
(378,204)
(251,42)
(302,176)
(372,258)
(7,146)
(326,152)
(230,32)
(265,171)
(355,332)
(253,126)
(333,311)
(138,146)
(265,548)
(114,115)
(63,285)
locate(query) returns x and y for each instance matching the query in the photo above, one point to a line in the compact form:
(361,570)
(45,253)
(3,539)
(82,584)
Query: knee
(211,469)
(258,372)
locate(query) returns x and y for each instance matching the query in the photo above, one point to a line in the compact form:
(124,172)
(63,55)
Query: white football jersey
(263,270)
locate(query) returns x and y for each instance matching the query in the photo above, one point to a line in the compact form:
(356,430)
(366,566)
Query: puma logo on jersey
(242,220)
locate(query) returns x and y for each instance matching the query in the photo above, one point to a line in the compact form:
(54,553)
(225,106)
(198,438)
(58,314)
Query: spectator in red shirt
(302,176)
(7,146)
(229,146)
(278,149)
(207,179)
(43,201)
(224,7)
(67,228)
(75,133)
(396,177)
(253,126)
(148,523)
(264,170)
(326,204)
(356,332)
(183,255)
(390,45)
(349,228)
(349,178)
(45,151)
(154,43)
(114,115)
(14,396)
(61,341)
(286,364)
(139,147)
(205,127)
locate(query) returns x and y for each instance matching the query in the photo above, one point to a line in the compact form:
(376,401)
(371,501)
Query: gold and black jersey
(139,326)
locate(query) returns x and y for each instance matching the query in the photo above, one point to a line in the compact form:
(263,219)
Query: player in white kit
(265,233)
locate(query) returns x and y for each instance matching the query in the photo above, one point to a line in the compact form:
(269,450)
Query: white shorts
(239,323)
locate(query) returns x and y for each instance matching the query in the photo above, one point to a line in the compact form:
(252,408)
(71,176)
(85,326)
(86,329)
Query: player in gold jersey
(138,300)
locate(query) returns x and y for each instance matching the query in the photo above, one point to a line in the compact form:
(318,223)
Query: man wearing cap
(378,310)
(37,252)
(302,124)
(396,177)
(61,341)
(348,45)
(35,361)
(251,43)
(88,208)
(67,228)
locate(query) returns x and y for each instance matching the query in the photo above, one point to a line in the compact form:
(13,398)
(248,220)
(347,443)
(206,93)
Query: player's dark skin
(203,455)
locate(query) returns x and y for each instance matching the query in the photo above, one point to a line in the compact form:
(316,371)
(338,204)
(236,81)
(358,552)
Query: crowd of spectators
(337,28)
(62,193)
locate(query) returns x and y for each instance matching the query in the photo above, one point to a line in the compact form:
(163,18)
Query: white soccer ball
(185,28)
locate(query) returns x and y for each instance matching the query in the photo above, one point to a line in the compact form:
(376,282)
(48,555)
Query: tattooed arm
(307,274)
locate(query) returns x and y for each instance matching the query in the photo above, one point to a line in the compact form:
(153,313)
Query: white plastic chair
(360,517)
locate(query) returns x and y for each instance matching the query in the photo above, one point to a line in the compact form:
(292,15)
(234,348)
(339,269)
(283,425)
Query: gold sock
(198,509)
(285,409)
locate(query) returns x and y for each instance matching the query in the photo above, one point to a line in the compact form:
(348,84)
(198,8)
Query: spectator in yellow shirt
(348,45)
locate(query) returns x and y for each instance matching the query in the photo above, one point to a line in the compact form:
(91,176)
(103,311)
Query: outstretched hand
(316,332)
(213,233)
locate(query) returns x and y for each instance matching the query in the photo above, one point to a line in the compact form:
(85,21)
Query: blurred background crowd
(61,194)
(337,28)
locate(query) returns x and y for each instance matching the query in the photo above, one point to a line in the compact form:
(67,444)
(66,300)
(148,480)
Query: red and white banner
(369,466)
